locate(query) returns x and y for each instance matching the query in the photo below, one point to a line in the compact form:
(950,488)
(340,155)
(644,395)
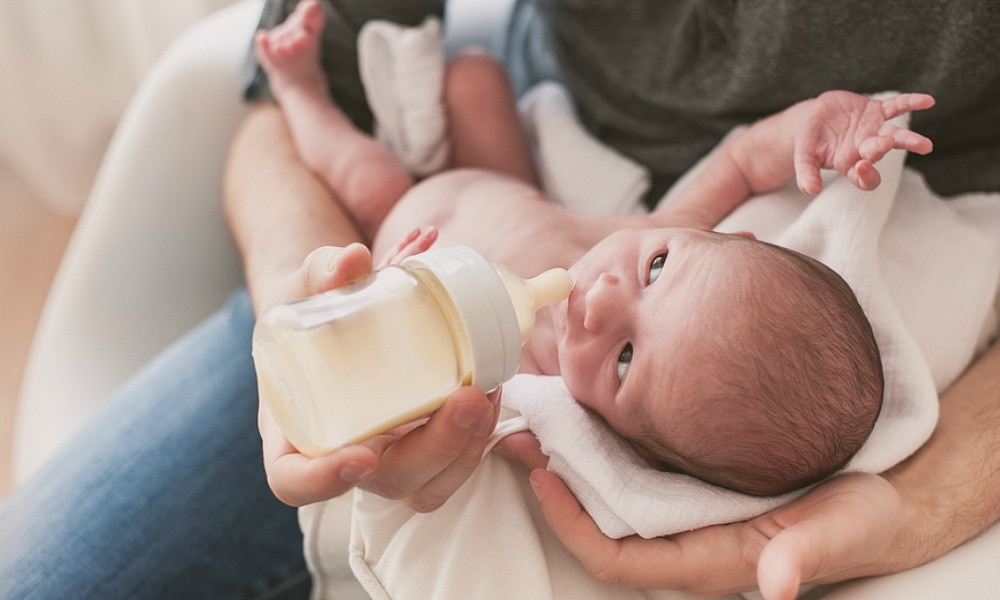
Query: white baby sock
(402,69)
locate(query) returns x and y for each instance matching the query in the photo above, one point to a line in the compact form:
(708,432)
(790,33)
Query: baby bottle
(355,361)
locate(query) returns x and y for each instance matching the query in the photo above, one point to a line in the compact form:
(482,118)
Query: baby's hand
(415,242)
(849,132)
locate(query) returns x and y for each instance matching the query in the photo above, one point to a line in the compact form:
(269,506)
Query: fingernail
(468,416)
(485,425)
(537,489)
(353,473)
(473,417)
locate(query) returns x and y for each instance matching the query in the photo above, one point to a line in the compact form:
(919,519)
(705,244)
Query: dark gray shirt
(663,80)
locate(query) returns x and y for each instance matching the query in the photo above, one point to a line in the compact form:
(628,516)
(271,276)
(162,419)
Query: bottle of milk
(344,365)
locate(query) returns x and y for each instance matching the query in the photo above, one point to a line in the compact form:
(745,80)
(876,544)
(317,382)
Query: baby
(747,365)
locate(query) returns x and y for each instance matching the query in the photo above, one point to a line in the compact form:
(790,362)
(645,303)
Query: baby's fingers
(864,175)
(911,141)
(905,103)
(891,137)
(874,148)
(807,172)
(415,242)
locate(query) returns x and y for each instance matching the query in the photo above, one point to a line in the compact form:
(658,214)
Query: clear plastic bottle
(344,365)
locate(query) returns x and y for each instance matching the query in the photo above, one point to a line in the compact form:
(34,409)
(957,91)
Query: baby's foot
(289,53)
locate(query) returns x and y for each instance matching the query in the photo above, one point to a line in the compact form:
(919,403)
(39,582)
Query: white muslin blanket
(925,270)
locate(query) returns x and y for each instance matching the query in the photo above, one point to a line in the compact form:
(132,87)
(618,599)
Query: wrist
(950,485)
(922,529)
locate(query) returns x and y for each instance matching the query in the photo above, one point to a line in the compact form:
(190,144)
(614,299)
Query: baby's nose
(600,302)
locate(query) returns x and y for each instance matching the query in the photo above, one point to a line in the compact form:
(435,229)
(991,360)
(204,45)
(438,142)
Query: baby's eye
(624,360)
(656,267)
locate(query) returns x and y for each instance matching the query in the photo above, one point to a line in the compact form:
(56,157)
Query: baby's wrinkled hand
(415,242)
(849,133)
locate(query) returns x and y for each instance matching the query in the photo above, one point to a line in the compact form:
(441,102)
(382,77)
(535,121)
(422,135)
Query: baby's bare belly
(505,219)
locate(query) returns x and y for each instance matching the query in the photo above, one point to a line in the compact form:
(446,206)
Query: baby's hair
(799,383)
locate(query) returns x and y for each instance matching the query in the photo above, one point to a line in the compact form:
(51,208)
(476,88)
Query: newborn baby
(738,362)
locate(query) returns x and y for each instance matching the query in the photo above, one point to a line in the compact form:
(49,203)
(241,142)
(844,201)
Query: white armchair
(152,256)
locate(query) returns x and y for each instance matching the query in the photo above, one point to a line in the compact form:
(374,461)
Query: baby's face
(642,304)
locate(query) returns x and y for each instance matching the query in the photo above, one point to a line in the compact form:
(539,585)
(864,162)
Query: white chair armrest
(151,255)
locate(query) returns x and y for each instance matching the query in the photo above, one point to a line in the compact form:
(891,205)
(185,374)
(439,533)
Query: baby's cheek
(576,382)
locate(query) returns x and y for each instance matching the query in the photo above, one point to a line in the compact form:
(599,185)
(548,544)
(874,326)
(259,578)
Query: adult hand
(852,526)
(421,464)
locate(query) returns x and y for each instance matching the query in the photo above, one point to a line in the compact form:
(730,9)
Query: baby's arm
(838,130)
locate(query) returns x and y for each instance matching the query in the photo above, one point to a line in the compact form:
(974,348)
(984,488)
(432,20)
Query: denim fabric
(163,493)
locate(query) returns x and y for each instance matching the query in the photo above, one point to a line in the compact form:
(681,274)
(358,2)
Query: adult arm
(284,222)
(853,526)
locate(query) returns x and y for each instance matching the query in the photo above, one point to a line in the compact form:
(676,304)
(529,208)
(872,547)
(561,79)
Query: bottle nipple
(550,287)
(528,295)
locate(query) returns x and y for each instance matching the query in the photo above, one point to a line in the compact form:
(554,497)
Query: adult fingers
(524,448)
(841,530)
(330,266)
(708,561)
(441,487)
(298,480)
(574,527)
(454,436)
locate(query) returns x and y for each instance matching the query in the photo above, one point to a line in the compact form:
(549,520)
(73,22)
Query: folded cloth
(402,70)
(622,493)
(576,169)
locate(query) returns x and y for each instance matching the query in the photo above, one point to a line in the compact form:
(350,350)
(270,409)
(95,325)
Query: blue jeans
(163,494)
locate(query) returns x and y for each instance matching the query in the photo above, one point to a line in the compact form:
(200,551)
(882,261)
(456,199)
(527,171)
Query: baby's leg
(484,126)
(362,174)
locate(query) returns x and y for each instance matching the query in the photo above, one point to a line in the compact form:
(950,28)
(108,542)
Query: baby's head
(741,363)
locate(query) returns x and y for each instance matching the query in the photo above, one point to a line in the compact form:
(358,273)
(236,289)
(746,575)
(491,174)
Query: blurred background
(68,69)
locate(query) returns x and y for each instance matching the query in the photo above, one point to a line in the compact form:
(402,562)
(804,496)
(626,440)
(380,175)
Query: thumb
(329,266)
(779,568)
